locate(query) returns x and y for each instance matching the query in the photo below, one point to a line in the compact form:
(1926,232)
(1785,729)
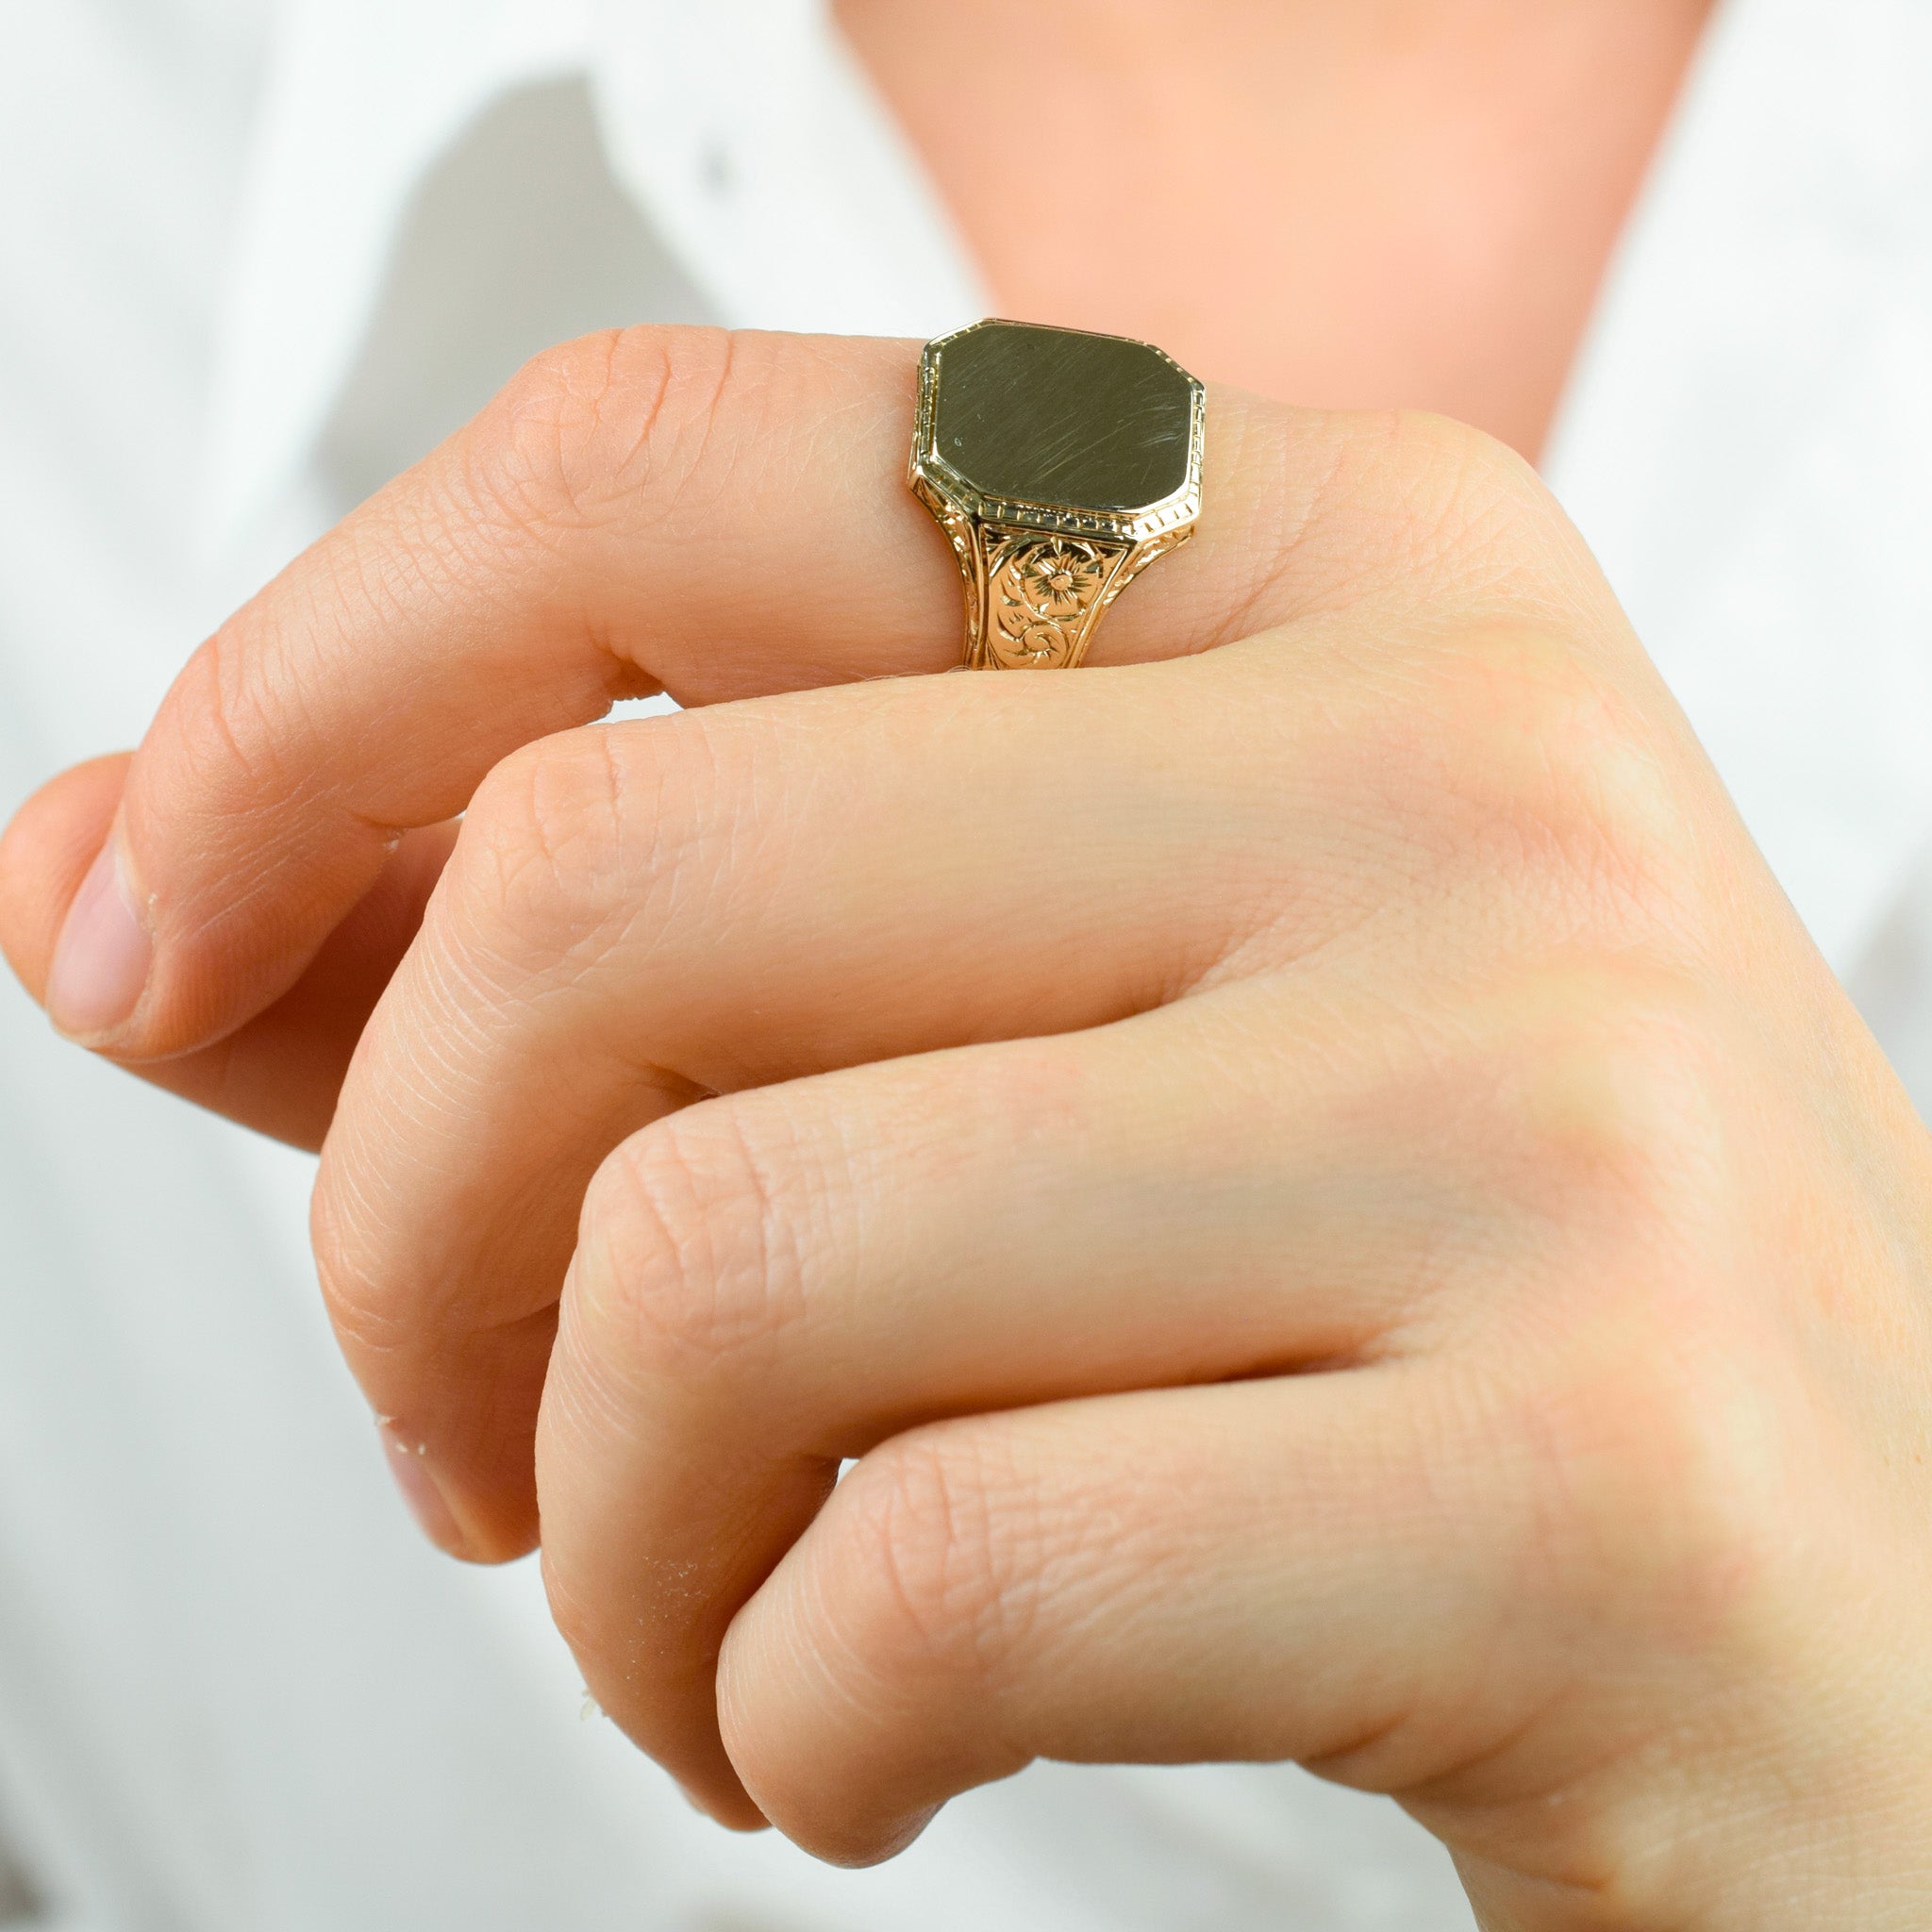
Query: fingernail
(101,961)
(408,1464)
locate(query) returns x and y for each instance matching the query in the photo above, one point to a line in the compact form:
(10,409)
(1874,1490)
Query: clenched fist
(1309,1169)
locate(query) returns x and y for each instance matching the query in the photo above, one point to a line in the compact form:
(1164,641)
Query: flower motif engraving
(1044,591)
(1057,579)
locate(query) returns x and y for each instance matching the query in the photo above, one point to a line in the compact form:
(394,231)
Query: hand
(1324,1188)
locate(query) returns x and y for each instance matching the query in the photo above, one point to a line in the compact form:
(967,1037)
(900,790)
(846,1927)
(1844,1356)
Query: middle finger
(639,916)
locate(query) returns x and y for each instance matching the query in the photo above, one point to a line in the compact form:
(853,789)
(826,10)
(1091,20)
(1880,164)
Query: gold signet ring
(1060,465)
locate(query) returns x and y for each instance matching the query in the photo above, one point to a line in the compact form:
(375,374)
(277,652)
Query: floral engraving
(1042,595)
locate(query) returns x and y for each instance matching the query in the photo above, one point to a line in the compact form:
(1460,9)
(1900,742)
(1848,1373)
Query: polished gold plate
(1060,464)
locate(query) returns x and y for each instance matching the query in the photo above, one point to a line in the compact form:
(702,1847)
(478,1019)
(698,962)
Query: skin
(1333,1207)
(1329,1197)
(1356,204)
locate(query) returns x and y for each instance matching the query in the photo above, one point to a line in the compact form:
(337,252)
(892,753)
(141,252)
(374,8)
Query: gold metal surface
(1060,465)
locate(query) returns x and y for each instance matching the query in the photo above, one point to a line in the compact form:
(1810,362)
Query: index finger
(713,515)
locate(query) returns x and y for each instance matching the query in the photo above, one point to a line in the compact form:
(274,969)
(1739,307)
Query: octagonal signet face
(1054,416)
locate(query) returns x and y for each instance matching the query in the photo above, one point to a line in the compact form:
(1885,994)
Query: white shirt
(252,258)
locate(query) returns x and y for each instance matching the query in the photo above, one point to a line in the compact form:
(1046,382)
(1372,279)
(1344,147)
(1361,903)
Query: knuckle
(544,839)
(1476,500)
(946,1549)
(1616,1072)
(1458,518)
(240,718)
(1522,733)
(688,1253)
(222,729)
(1526,686)
(1530,761)
(567,843)
(1659,1414)
(1666,1472)
(584,426)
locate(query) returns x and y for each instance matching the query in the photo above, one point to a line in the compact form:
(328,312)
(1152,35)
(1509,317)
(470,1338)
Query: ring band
(1060,465)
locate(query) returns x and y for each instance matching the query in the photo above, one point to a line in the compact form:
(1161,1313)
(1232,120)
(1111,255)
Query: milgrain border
(976,524)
